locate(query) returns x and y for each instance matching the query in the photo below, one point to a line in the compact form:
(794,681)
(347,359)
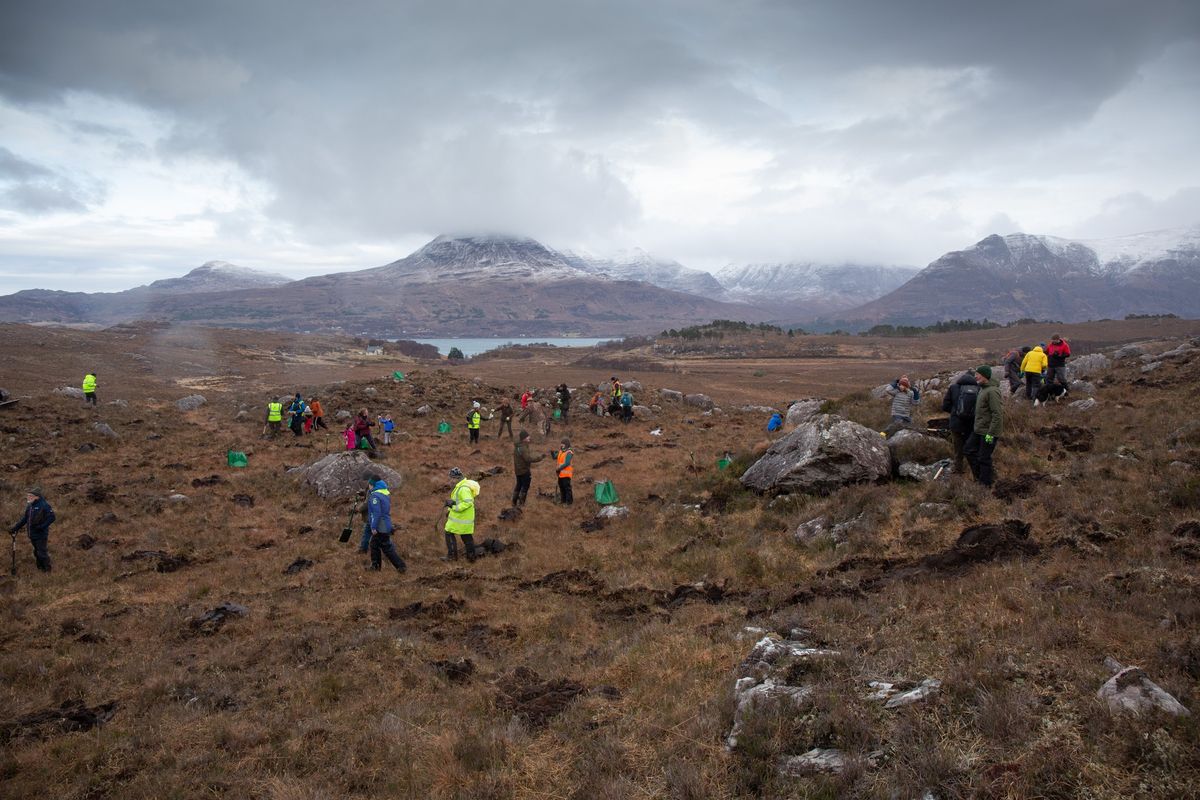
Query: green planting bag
(443,427)
(397,376)
(558,413)
(606,493)
(236,459)
(723,463)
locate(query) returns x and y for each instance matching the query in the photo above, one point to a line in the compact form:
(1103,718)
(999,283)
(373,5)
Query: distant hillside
(1005,278)
(455,285)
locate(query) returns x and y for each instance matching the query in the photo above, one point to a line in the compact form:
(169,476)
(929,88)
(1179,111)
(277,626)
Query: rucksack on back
(964,406)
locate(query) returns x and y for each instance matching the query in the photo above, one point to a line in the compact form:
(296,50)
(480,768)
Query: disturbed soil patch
(1068,437)
(71,716)
(537,701)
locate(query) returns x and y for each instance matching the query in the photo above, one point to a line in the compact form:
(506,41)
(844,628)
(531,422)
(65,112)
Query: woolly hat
(523,435)
(455,472)
(985,371)
(36,491)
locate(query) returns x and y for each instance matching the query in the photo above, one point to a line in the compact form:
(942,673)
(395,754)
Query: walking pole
(14,554)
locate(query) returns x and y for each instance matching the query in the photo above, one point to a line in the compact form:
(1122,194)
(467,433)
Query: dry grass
(320,692)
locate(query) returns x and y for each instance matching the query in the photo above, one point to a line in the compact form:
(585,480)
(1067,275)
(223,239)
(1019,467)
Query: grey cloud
(1135,211)
(30,188)
(388,118)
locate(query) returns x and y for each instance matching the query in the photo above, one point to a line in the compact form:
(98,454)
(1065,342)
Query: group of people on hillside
(302,417)
(1042,369)
(975,405)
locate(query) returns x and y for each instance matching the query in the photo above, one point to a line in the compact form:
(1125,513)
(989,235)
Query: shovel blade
(346,534)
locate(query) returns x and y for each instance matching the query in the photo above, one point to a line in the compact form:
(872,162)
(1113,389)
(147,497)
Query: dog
(1050,391)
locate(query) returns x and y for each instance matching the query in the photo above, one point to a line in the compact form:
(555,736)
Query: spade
(347,531)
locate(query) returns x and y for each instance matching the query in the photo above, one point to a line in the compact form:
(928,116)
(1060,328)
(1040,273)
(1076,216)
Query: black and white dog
(1050,391)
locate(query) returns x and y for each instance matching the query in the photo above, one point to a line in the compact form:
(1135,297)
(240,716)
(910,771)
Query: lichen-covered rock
(643,412)
(926,472)
(342,414)
(104,429)
(1153,365)
(341,475)
(1130,691)
(633,386)
(70,391)
(802,411)
(701,401)
(1128,351)
(1084,405)
(671,394)
(1087,365)
(191,402)
(819,456)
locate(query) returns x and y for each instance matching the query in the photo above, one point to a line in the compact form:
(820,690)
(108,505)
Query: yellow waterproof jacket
(1035,361)
(89,382)
(461,517)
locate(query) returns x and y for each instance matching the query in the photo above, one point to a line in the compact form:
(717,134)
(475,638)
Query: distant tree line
(718,328)
(945,326)
(1151,316)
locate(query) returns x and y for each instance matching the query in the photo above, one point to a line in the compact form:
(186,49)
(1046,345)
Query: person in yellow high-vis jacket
(473,419)
(460,516)
(274,418)
(89,388)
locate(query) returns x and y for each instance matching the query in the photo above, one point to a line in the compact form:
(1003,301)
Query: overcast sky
(140,139)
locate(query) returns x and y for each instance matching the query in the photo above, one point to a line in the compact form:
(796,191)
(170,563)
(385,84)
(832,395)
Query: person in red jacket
(1057,353)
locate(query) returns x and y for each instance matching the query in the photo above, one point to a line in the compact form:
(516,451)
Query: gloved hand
(449,504)
(916,395)
(989,438)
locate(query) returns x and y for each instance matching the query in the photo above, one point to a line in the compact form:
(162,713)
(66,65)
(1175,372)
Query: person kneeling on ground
(565,470)
(989,424)
(36,520)
(379,517)
(460,516)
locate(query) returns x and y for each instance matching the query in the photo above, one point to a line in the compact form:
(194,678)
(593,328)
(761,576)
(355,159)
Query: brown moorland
(576,663)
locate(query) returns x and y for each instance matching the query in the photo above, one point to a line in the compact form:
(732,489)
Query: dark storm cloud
(383,118)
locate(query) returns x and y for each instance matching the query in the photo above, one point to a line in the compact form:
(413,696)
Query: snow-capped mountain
(219,276)
(801,290)
(638,265)
(1004,278)
(498,258)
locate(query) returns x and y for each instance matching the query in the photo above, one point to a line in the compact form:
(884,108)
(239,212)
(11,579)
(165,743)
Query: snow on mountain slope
(830,286)
(638,265)
(219,276)
(496,257)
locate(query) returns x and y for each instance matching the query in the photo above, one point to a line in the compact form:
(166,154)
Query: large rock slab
(802,411)
(341,475)
(820,456)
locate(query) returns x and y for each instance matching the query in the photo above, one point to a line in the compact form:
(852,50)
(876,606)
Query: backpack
(627,400)
(964,405)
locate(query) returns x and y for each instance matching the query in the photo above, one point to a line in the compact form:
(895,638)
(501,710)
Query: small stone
(424,411)
(70,391)
(1153,365)
(177,498)
(613,512)
(342,414)
(103,429)
(118,403)
(1084,405)
(926,689)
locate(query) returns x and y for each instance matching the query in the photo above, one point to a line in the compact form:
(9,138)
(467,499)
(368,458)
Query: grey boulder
(191,402)
(701,401)
(341,475)
(1088,365)
(70,391)
(820,456)
(802,411)
(1130,691)
(671,394)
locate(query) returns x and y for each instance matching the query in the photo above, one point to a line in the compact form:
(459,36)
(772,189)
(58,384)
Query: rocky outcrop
(820,456)
(341,475)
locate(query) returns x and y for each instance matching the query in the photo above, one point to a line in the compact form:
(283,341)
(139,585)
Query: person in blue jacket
(775,422)
(37,519)
(379,517)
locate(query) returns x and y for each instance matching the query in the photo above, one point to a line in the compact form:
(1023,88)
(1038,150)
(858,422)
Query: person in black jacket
(960,403)
(37,519)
